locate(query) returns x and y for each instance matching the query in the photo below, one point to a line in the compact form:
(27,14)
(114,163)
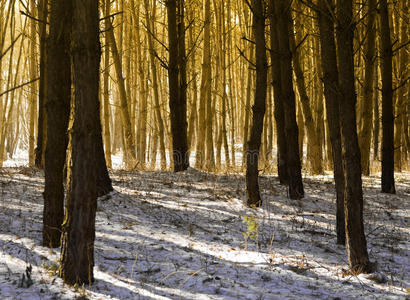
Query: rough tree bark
(58,111)
(77,250)
(355,239)
(177,83)
(332,98)
(282,11)
(278,110)
(252,156)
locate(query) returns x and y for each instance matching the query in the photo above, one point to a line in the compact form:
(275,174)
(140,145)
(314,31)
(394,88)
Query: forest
(204,149)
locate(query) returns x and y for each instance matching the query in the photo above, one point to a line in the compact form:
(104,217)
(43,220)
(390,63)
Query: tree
(282,12)
(58,111)
(205,89)
(279,112)
(177,83)
(366,108)
(158,117)
(42,117)
(106,94)
(401,121)
(252,156)
(316,156)
(332,98)
(125,115)
(78,230)
(387,102)
(33,96)
(355,239)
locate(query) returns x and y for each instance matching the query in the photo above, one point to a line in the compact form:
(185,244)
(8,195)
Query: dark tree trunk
(77,250)
(282,10)
(177,83)
(332,97)
(252,155)
(387,102)
(58,111)
(279,110)
(366,109)
(42,93)
(355,239)
(376,114)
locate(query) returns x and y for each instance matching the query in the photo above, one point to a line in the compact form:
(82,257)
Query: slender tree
(332,98)
(402,116)
(106,93)
(282,12)
(366,104)
(315,150)
(58,111)
(355,239)
(33,75)
(125,115)
(387,101)
(42,93)
(278,104)
(258,109)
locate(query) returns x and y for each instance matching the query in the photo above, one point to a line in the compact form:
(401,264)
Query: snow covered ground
(188,236)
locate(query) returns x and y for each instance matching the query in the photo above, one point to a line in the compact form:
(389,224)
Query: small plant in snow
(51,267)
(26,280)
(251,230)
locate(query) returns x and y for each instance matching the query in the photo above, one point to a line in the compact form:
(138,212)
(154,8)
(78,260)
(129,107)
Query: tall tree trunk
(288,97)
(258,109)
(42,98)
(401,116)
(77,250)
(387,102)
(355,239)
(157,107)
(366,108)
(125,115)
(248,96)
(376,118)
(315,158)
(143,91)
(192,123)
(177,83)
(333,98)
(205,88)
(33,75)
(106,95)
(58,111)
(279,112)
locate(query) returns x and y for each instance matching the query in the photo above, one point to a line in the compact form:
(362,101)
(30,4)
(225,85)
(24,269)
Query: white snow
(162,235)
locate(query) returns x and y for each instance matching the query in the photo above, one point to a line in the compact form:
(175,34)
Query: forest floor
(162,235)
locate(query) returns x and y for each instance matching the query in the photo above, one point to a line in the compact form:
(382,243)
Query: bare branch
(33,18)
(19,86)
(11,46)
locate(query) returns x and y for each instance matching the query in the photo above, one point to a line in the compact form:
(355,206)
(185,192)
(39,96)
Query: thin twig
(19,86)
